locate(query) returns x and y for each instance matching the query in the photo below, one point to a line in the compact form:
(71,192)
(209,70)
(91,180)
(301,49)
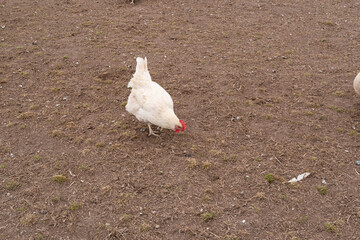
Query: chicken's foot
(151,132)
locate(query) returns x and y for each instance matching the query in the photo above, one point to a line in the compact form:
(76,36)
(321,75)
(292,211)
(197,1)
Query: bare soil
(264,86)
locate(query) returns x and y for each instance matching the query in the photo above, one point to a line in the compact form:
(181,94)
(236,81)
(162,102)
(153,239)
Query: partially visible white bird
(149,102)
(357,84)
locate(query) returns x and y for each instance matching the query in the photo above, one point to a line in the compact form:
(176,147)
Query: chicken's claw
(151,132)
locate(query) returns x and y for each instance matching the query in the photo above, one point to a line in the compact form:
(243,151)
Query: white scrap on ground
(300,177)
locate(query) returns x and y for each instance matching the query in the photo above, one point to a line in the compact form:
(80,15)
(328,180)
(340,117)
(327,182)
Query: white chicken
(149,102)
(357,84)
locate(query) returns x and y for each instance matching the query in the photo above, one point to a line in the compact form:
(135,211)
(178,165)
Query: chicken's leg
(151,132)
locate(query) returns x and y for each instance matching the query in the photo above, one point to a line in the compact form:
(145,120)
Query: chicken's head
(181,126)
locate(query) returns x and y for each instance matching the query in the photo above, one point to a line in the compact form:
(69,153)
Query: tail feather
(141,65)
(141,74)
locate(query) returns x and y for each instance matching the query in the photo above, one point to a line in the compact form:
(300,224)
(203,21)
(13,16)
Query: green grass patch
(322,190)
(75,206)
(12,185)
(208,216)
(59,178)
(270,178)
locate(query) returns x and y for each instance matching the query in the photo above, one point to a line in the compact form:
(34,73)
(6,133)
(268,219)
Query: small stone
(157,226)
(43,211)
(357,163)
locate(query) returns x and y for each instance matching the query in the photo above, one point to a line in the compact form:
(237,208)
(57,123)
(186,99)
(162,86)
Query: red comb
(183,125)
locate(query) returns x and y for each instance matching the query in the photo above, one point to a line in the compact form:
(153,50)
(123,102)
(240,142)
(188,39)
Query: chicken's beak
(178,128)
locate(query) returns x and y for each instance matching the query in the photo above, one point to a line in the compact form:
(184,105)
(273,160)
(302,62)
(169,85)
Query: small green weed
(12,185)
(75,206)
(322,190)
(28,219)
(339,93)
(282,196)
(329,226)
(338,109)
(269,178)
(59,178)
(208,216)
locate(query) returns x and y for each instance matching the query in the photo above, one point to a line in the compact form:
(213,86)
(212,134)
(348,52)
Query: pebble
(357,163)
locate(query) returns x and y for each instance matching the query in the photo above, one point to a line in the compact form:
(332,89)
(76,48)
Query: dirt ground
(264,86)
